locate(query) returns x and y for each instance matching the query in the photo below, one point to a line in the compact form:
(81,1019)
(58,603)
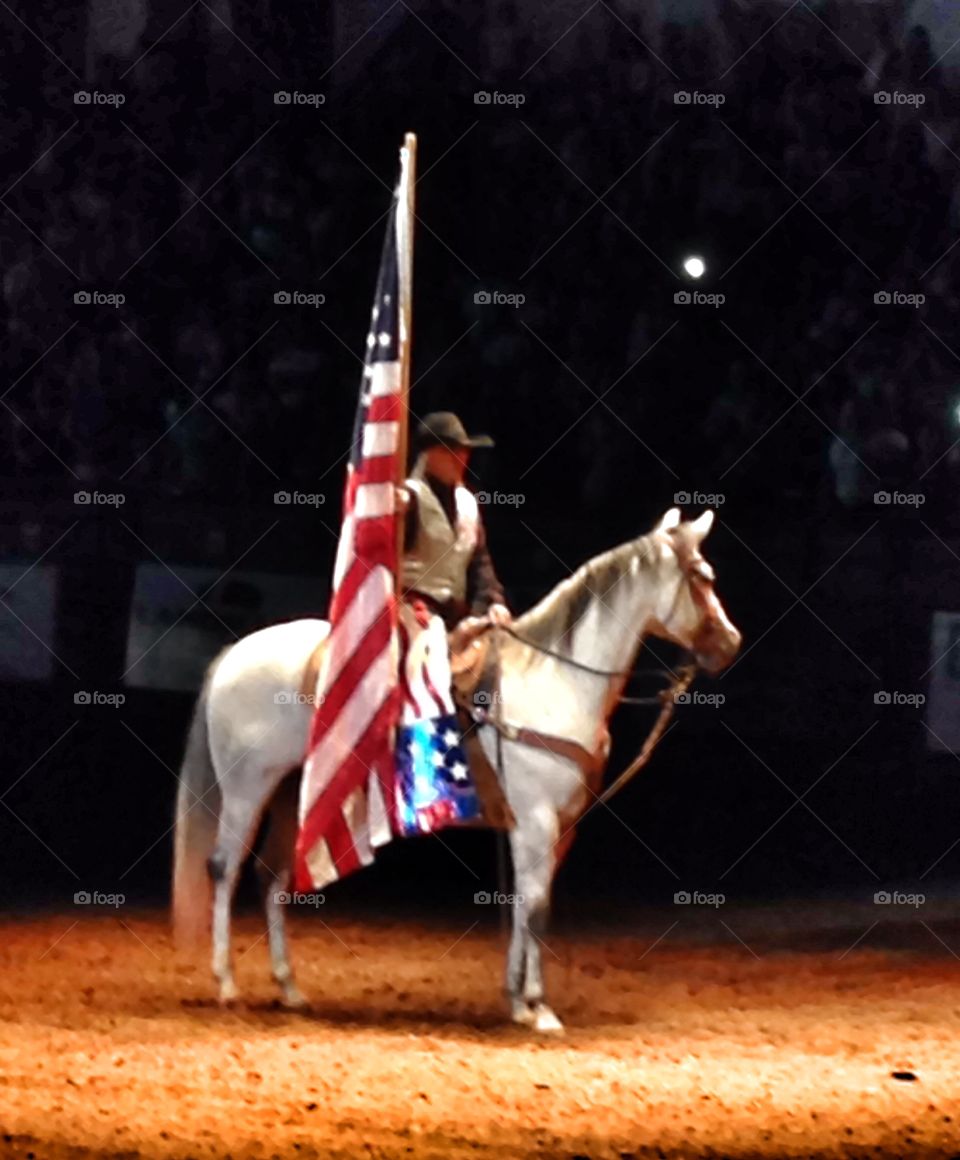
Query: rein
(627,673)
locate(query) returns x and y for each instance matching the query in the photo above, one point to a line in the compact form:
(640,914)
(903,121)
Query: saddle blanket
(434,787)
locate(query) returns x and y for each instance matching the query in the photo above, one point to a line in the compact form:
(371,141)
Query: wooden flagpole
(405,217)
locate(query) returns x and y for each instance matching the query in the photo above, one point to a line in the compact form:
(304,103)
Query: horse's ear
(702,525)
(669,520)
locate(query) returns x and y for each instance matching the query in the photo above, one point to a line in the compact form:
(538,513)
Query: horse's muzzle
(716,646)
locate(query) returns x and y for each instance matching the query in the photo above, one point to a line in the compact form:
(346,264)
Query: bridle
(697,576)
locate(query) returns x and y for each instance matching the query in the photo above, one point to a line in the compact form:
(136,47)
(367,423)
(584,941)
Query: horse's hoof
(295,1000)
(522,1013)
(229,993)
(545,1021)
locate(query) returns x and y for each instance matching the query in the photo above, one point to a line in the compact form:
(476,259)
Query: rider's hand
(499,614)
(403,498)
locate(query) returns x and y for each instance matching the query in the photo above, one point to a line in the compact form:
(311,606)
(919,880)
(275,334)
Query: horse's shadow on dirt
(268,1013)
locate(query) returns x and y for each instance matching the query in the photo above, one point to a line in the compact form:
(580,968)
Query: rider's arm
(483,585)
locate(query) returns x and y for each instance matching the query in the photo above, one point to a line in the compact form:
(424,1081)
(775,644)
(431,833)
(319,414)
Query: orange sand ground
(694,1045)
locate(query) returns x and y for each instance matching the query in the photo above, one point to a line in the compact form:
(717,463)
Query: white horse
(561,676)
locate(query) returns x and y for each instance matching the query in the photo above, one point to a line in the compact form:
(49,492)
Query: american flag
(347,797)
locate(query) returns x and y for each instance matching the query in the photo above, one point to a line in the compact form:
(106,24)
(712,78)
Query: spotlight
(694,266)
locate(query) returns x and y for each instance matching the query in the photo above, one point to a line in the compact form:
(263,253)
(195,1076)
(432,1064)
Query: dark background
(693,397)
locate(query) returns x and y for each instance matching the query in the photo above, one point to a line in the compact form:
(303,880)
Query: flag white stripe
(380,439)
(384,379)
(374,499)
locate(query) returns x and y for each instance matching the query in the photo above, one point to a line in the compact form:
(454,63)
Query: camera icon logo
(482,298)
(882,298)
(881,98)
(481,697)
(481,98)
(681,497)
(682,699)
(681,98)
(82,298)
(81,698)
(881,497)
(882,898)
(282,897)
(81,497)
(482,898)
(283,698)
(281,297)
(281,98)
(682,898)
(281,497)
(82,97)
(682,297)
(881,698)
(82,898)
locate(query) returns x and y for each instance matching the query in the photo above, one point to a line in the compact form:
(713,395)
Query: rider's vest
(437,562)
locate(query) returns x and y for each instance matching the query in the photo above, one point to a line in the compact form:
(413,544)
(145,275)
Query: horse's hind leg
(239,816)
(274,866)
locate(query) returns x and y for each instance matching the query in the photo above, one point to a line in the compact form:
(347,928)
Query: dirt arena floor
(769,1033)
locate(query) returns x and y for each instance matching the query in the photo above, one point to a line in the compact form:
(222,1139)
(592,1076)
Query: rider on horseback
(446,577)
(446,563)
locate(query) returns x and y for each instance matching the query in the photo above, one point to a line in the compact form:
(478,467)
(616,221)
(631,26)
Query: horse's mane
(553,617)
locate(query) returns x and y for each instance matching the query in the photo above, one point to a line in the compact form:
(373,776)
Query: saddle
(474,665)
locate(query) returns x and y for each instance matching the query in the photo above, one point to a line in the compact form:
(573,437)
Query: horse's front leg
(533,844)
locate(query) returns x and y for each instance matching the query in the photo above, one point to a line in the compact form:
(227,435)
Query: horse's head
(689,612)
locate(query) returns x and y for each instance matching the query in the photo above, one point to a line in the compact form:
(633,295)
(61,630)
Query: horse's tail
(195,828)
